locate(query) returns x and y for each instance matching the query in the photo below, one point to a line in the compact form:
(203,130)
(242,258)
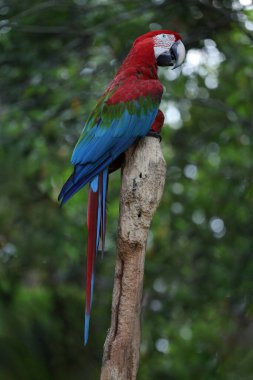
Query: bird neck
(140,63)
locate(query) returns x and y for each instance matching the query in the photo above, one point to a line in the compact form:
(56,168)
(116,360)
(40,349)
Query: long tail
(96,222)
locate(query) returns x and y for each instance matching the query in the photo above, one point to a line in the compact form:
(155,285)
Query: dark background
(56,59)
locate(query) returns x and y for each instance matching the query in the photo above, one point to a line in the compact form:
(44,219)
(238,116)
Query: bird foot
(155,134)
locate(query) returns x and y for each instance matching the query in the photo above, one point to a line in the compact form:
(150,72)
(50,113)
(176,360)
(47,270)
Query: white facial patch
(162,43)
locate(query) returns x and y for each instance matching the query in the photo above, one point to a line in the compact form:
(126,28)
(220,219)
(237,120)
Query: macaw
(126,111)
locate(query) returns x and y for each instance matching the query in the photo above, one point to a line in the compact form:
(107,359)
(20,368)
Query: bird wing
(121,115)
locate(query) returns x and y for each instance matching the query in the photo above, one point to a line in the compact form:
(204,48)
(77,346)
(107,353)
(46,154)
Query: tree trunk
(141,191)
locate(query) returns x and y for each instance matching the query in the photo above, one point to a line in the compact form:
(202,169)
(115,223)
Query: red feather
(92,219)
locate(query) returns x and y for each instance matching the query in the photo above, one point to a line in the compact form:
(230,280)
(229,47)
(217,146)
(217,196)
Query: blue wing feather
(102,144)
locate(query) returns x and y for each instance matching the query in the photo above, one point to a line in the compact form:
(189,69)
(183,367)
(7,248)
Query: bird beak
(173,57)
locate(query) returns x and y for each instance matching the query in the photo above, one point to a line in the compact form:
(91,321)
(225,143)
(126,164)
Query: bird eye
(164,35)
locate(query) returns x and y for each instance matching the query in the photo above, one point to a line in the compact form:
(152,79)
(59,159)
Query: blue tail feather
(98,185)
(86,328)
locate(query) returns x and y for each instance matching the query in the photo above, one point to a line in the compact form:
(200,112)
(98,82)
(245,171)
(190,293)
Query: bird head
(167,46)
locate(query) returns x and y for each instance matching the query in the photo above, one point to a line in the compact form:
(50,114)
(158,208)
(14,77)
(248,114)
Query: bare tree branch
(142,187)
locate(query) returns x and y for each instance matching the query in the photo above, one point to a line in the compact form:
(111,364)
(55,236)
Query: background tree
(56,58)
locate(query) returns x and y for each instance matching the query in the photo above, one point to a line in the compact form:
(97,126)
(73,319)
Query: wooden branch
(142,186)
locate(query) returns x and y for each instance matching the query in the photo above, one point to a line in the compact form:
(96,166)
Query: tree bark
(142,186)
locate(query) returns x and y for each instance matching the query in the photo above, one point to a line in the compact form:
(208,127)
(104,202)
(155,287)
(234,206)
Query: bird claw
(155,134)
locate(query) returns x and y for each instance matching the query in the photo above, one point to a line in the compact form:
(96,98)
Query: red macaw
(127,110)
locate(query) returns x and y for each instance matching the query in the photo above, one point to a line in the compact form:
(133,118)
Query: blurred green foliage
(56,59)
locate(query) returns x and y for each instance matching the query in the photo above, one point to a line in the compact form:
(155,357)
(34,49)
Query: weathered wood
(143,180)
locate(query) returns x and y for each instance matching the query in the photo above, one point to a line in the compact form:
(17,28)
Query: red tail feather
(92,239)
